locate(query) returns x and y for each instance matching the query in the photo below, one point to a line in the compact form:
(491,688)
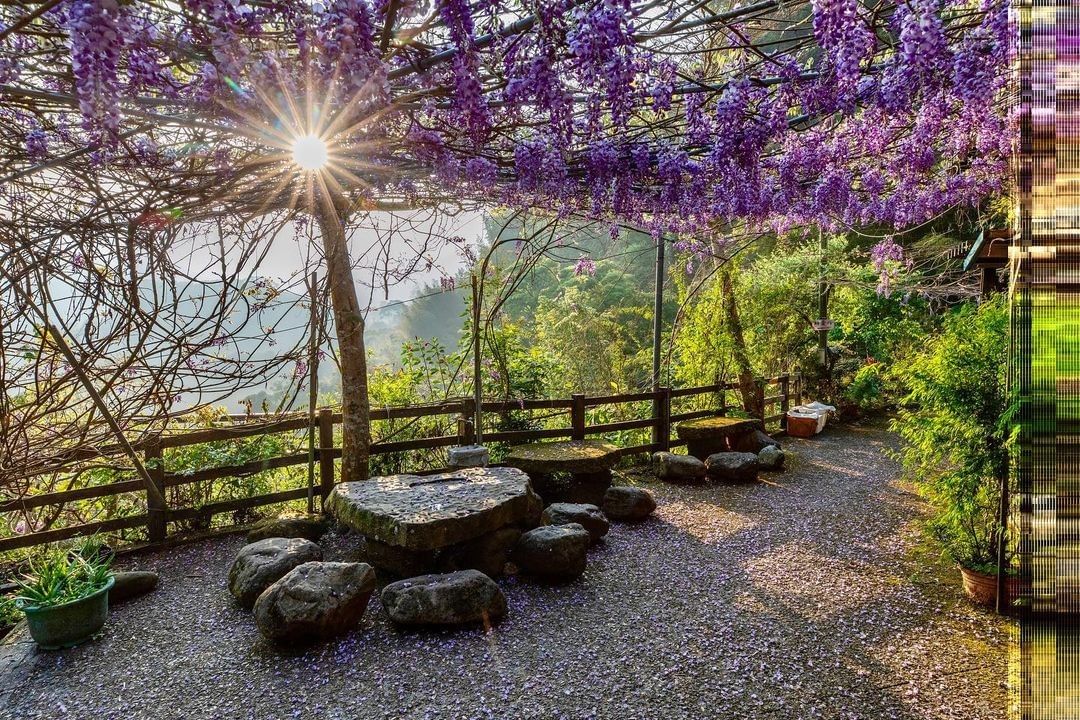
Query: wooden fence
(775,393)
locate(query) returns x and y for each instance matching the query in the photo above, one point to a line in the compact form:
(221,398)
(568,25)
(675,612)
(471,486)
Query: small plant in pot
(65,594)
(956,424)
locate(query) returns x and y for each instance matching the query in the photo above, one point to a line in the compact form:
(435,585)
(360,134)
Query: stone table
(710,435)
(468,518)
(576,471)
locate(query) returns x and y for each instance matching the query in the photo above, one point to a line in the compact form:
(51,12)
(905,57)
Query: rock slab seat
(771,457)
(463,456)
(421,513)
(315,601)
(130,584)
(682,469)
(629,504)
(553,552)
(733,467)
(587,516)
(291,525)
(259,565)
(458,598)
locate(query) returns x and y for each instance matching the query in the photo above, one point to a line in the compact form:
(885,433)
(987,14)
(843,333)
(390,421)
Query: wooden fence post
(326,457)
(466,423)
(785,388)
(759,391)
(577,417)
(156,510)
(662,413)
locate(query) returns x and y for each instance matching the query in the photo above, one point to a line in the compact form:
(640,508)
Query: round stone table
(576,471)
(710,435)
(423,523)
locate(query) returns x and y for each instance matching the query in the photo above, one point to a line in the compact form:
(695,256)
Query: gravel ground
(808,595)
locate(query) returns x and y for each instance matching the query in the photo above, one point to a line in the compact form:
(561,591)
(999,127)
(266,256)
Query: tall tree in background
(748,387)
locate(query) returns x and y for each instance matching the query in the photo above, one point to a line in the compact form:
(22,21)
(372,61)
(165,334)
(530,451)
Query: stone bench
(577,471)
(710,435)
(415,524)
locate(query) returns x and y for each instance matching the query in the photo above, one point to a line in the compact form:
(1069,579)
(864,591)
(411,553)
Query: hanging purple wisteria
(613,109)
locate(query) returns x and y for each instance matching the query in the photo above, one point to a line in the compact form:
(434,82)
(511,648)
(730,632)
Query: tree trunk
(748,388)
(349,322)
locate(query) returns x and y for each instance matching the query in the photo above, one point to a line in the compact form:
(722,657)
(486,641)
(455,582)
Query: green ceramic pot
(63,626)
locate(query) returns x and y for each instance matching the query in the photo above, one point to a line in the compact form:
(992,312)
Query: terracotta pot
(982,587)
(801,427)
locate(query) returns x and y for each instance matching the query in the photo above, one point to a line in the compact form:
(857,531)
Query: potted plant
(65,595)
(956,428)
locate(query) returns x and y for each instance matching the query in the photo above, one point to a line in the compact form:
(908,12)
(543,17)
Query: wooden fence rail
(157,518)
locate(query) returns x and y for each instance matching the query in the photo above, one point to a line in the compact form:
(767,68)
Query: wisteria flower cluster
(585,266)
(846,39)
(887,257)
(95,56)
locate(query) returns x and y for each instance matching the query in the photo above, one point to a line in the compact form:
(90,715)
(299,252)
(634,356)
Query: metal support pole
(658,313)
(478,389)
(313,387)
(1001,599)
(823,306)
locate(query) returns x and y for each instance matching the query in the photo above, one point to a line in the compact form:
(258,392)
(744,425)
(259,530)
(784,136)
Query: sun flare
(310,152)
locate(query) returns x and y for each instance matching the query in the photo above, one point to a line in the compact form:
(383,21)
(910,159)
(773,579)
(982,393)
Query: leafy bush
(189,459)
(955,428)
(867,388)
(9,613)
(61,576)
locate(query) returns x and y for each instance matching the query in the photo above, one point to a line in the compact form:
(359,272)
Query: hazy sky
(286,255)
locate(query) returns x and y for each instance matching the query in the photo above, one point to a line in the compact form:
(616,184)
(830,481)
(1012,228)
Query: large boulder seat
(553,553)
(315,601)
(576,471)
(733,467)
(459,598)
(415,524)
(291,525)
(629,504)
(710,435)
(679,469)
(587,516)
(260,564)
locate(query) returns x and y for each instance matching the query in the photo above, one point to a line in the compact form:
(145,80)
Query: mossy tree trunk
(349,323)
(748,387)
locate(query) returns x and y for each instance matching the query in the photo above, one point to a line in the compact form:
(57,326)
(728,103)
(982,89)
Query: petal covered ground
(809,595)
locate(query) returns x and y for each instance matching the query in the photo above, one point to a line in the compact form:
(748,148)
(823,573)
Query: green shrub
(9,613)
(867,388)
(954,423)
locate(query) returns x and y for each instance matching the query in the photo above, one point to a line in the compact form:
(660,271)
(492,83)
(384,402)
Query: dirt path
(809,595)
